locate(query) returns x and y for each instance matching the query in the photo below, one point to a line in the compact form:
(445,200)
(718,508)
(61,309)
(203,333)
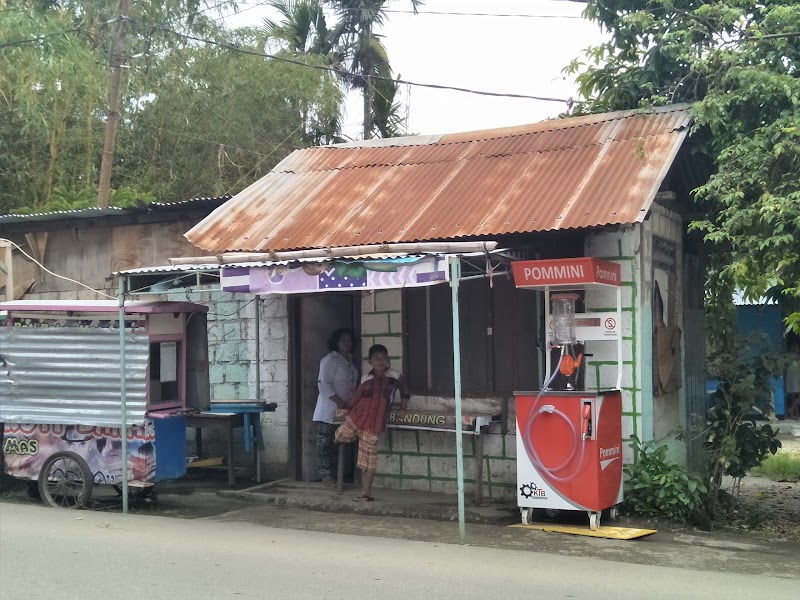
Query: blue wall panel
(170,447)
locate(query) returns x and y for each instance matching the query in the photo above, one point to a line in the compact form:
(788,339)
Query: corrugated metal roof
(560,174)
(94,212)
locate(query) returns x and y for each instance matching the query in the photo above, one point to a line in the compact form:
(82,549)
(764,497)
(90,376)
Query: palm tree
(303,27)
(368,61)
(386,112)
(305,31)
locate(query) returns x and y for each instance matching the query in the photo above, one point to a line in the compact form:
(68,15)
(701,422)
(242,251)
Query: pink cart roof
(101,306)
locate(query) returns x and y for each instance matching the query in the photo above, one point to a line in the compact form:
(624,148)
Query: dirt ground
(767,508)
(762,509)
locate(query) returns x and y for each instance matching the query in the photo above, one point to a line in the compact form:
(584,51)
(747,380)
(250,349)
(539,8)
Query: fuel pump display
(569,440)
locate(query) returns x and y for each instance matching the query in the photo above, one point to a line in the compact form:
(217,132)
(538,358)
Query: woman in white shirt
(338,378)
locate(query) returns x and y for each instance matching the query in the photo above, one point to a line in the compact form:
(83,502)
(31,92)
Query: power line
(40,38)
(434,12)
(238,12)
(470,14)
(199,139)
(345,73)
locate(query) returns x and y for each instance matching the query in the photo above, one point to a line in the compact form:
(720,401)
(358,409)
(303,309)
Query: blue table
(253,435)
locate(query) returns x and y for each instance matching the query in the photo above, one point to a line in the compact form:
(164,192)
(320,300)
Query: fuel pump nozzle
(586,428)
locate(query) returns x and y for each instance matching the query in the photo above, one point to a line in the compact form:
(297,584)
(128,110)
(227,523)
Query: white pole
(455,275)
(547,366)
(619,338)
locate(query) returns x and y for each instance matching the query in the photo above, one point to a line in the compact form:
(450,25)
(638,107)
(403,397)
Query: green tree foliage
(738,62)
(304,35)
(222,119)
(51,91)
(387,116)
(368,61)
(197,119)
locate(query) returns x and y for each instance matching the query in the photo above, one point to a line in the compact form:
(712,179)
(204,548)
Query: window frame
(180,401)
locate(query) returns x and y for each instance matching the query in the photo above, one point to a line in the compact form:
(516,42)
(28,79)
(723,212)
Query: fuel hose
(577,439)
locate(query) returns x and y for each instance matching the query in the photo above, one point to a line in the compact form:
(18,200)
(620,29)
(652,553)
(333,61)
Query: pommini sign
(566,271)
(554,272)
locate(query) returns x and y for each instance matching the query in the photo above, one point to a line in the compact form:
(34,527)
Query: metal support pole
(455,275)
(619,338)
(548,368)
(257,442)
(123,399)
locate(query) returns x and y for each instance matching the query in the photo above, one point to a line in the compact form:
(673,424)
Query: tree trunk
(57,128)
(368,117)
(88,165)
(104,187)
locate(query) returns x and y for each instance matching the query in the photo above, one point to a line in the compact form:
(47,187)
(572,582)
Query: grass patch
(779,467)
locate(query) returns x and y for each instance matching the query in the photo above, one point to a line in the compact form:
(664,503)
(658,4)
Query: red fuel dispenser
(569,441)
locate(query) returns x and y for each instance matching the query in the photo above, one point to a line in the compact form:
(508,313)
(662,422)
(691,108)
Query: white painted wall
(622,245)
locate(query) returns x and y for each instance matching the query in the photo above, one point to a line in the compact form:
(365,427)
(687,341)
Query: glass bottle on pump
(570,354)
(564,318)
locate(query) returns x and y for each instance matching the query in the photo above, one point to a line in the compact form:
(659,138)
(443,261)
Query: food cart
(61,390)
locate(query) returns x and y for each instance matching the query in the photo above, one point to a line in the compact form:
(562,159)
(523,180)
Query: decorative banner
(27,447)
(339,275)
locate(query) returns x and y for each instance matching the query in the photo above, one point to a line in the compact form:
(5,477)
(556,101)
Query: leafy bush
(657,487)
(125,197)
(74,198)
(733,443)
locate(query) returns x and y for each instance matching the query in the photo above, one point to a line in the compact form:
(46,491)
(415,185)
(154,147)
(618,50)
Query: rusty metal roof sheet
(560,174)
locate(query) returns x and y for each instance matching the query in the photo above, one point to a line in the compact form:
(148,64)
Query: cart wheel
(594,521)
(552,512)
(613,513)
(65,481)
(527,516)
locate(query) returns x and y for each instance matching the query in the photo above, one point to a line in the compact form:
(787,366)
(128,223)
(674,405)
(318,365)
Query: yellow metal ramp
(613,533)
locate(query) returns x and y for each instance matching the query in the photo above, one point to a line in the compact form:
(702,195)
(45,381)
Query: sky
(518,55)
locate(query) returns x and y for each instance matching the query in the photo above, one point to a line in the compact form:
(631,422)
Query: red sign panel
(565,271)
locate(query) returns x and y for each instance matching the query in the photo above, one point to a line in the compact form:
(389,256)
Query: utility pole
(8,268)
(117,63)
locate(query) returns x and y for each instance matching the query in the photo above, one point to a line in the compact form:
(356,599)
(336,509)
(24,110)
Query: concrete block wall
(632,247)
(382,323)
(232,365)
(668,410)
(274,371)
(426,461)
(622,246)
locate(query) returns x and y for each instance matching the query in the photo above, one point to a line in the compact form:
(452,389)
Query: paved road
(48,553)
